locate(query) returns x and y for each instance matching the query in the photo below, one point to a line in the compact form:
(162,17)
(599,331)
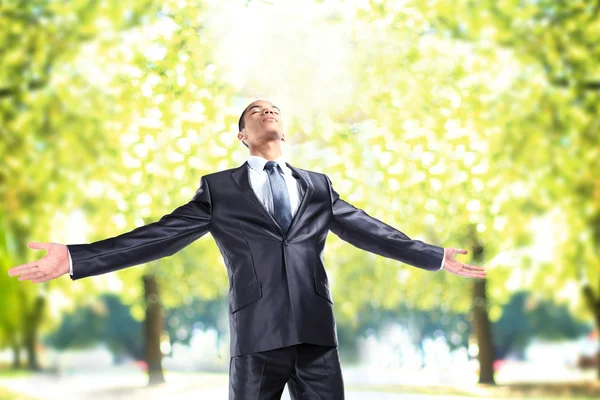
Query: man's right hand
(51,266)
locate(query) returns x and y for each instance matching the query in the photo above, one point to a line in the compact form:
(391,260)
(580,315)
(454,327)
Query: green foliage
(108,320)
(198,314)
(76,82)
(524,317)
(467,121)
(559,111)
(9,300)
(421,324)
(422,150)
(501,98)
(50,123)
(104,320)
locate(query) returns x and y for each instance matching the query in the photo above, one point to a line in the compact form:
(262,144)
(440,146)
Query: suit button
(285,242)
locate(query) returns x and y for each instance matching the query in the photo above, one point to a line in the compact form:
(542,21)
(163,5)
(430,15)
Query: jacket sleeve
(159,239)
(356,227)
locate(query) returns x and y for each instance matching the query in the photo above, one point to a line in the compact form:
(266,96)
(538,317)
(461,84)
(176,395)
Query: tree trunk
(153,326)
(483,333)
(598,352)
(593,302)
(14,343)
(16,349)
(480,319)
(596,311)
(31,326)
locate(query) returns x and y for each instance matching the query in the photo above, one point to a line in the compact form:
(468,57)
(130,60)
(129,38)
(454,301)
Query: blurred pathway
(128,383)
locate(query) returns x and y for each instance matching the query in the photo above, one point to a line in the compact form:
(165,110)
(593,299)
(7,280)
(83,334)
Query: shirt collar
(258,164)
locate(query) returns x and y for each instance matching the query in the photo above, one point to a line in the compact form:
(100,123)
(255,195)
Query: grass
(7,372)
(583,390)
(13,373)
(8,395)
(531,391)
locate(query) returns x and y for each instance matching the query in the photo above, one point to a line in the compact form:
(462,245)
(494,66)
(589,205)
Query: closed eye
(259,109)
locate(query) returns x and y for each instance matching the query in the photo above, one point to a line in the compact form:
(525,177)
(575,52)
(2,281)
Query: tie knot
(270,165)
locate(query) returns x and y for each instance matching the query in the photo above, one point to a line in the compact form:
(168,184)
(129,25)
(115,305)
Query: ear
(242,134)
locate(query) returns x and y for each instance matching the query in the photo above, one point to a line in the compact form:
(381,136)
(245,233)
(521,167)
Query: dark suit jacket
(278,294)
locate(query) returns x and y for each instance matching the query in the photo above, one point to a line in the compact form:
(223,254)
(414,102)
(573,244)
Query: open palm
(53,265)
(456,267)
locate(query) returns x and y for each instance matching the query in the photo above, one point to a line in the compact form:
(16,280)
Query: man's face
(262,124)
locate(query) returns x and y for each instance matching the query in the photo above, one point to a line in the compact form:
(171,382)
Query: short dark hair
(242,123)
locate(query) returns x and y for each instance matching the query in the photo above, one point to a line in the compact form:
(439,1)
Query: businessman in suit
(270,221)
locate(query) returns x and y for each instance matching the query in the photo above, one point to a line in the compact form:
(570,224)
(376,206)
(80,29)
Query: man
(270,221)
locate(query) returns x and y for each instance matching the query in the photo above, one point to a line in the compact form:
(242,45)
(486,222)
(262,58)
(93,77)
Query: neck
(269,151)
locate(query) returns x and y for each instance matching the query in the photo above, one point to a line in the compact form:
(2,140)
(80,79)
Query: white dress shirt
(259,180)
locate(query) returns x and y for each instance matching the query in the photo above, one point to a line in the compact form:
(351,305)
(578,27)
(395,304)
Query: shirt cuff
(70,263)
(443,259)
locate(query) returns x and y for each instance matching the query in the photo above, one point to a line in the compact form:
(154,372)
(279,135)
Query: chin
(272,135)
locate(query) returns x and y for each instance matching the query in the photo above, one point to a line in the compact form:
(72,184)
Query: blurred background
(464,124)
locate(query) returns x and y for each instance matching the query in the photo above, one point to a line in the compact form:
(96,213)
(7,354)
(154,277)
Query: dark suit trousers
(312,372)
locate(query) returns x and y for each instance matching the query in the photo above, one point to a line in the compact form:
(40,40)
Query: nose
(269,111)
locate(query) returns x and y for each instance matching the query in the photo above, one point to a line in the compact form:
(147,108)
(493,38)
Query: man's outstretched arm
(355,226)
(160,239)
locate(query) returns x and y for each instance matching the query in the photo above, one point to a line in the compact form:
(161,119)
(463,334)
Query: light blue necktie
(281,198)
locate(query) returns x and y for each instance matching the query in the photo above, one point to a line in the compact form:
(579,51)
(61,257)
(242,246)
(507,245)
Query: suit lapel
(241,178)
(307,192)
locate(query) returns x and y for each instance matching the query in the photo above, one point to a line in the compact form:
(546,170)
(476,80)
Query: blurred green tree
(420,151)
(169,123)
(116,108)
(526,317)
(10,318)
(50,117)
(530,98)
(106,319)
(197,314)
(551,130)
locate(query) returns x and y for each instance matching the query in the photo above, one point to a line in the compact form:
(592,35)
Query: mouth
(269,119)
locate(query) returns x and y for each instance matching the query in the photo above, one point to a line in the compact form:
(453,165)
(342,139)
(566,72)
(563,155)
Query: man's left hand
(455,267)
